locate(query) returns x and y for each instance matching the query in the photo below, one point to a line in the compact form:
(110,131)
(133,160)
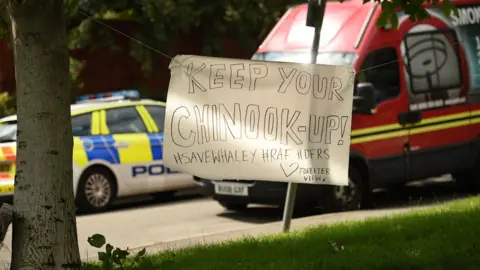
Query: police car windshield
(8,132)
(326,58)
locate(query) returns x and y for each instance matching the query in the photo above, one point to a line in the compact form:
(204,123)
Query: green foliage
(412,8)
(443,236)
(160,22)
(76,40)
(97,240)
(3,30)
(8,104)
(116,258)
(76,67)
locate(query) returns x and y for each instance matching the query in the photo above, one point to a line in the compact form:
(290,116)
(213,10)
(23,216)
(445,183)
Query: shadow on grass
(420,193)
(444,238)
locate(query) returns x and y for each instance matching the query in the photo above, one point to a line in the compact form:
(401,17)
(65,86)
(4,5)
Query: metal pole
(289,205)
(292,187)
(315,45)
(318,28)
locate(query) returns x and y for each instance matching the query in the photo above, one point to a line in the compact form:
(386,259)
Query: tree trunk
(44,224)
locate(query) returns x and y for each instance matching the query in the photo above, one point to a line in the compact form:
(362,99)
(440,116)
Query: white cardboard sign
(255,120)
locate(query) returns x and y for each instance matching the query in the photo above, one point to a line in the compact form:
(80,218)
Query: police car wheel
(96,190)
(344,198)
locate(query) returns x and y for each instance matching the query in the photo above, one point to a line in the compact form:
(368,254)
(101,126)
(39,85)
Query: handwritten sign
(255,120)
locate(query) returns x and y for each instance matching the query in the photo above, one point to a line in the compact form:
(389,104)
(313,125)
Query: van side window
(380,68)
(82,124)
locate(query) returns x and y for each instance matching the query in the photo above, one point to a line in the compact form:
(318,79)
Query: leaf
(455,11)
(102,256)
(146,264)
(119,255)
(96,240)
(141,253)
(382,19)
(387,6)
(447,7)
(108,250)
(394,20)
(422,14)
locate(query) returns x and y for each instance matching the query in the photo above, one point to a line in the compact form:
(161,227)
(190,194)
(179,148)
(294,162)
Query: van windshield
(8,132)
(326,58)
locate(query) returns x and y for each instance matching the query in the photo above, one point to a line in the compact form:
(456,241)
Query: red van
(417,111)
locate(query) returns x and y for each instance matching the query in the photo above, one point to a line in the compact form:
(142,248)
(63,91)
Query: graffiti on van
(433,62)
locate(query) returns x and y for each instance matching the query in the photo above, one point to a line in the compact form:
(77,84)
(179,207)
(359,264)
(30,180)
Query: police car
(117,150)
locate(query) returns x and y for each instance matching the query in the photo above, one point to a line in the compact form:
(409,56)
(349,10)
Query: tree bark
(44,224)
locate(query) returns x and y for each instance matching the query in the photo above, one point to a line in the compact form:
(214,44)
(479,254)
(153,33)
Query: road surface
(136,222)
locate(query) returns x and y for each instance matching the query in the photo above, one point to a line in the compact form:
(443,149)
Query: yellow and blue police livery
(118,150)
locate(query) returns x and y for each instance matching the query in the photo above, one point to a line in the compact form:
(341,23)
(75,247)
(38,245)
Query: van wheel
(401,186)
(233,206)
(344,198)
(469,181)
(96,190)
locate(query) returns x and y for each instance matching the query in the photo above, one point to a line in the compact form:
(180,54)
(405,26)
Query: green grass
(445,237)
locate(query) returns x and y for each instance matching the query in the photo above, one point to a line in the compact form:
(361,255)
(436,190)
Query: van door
(379,136)
(438,114)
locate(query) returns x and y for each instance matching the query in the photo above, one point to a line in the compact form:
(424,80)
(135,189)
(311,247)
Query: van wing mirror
(364,100)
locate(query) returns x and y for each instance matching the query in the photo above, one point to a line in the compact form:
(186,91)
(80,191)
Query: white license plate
(235,190)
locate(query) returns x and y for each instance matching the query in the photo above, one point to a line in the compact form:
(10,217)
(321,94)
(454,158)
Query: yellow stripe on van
(476,120)
(79,154)
(440,127)
(475,113)
(464,119)
(443,118)
(378,137)
(138,149)
(359,132)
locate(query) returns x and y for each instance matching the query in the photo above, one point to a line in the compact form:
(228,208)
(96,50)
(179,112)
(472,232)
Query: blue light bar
(125,94)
